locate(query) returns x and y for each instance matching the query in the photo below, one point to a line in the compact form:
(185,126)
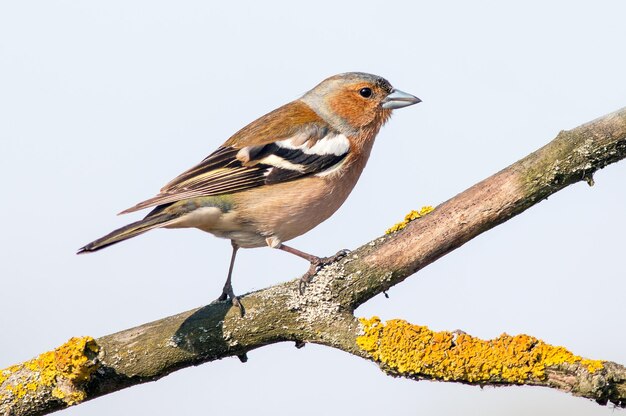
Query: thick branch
(86,368)
(573,156)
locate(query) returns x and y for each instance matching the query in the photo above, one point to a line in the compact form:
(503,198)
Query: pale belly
(295,210)
(272,214)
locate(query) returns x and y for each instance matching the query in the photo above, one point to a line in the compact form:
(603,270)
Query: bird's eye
(366,92)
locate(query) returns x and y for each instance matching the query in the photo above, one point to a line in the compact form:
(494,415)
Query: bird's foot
(318,265)
(228,293)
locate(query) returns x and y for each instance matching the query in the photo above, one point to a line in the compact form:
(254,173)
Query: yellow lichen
(73,359)
(413,350)
(69,396)
(413,215)
(63,369)
(4,374)
(17,390)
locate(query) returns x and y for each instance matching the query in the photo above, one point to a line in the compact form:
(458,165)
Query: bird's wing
(263,153)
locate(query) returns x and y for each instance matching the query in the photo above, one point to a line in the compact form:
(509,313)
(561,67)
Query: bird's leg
(309,257)
(227,291)
(317,263)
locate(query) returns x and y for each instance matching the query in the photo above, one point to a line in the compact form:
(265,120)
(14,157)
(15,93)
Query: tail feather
(128,231)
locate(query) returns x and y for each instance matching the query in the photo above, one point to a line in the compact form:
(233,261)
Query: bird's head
(356,100)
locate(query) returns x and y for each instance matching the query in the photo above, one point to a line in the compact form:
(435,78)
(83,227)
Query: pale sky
(102,103)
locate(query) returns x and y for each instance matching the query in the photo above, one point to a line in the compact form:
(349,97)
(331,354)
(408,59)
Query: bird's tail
(128,231)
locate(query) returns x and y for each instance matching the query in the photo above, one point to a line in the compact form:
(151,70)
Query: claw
(318,265)
(228,293)
(237,303)
(305,280)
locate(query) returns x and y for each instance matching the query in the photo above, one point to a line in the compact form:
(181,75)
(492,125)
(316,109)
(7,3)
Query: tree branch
(85,368)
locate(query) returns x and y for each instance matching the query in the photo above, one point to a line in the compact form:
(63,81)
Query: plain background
(101,103)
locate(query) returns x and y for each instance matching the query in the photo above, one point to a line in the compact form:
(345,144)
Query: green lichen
(416,351)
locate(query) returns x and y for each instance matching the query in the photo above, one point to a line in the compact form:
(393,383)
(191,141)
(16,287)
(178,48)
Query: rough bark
(86,368)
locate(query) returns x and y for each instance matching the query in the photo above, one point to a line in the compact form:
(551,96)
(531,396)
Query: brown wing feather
(281,123)
(221,172)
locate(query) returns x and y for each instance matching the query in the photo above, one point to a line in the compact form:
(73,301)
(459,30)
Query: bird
(278,177)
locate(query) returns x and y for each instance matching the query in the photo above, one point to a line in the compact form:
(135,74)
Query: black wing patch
(230,169)
(303,163)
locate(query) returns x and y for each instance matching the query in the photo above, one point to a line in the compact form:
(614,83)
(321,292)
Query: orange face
(359,103)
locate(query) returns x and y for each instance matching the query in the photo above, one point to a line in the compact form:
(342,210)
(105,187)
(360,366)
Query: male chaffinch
(281,175)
